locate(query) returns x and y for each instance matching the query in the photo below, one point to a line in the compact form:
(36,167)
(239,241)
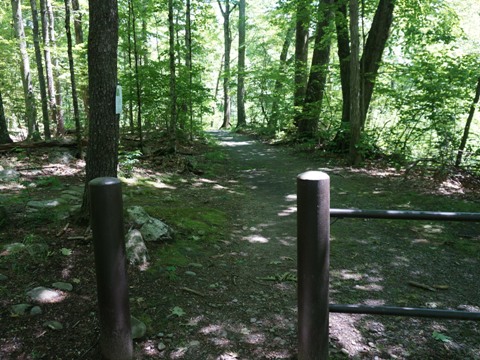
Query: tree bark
(47,54)
(188,62)
(79,39)
(102,150)
(76,112)
(373,51)
(343,46)
(226,65)
(4,135)
(301,56)
(466,130)
(137,77)
(241,117)
(173,83)
(355,115)
(41,75)
(30,108)
(77,22)
(308,125)
(59,119)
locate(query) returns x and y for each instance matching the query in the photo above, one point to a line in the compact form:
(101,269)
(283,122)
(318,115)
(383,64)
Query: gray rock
(14,248)
(137,252)
(138,328)
(20,309)
(42,294)
(161,346)
(137,215)
(156,230)
(190,273)
(68,198)
(43,204)
(3,277)
(9,175)
(63,286)
(36,310)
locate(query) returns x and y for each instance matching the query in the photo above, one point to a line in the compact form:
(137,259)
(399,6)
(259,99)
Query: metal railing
(313,231)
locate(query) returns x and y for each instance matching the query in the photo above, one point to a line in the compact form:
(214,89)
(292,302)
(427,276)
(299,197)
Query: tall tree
(76,112)
(41,75)
(355,113)
(241,119)
(466,130)
(79,39)
(102,149)
(188,62)
(373,51)
(137,76)
(282,66)
(59,120)
(301,56)
(173,83)
(308,124)
(343,49)
(47,55)
(4,135)
(226,61)
(30,108)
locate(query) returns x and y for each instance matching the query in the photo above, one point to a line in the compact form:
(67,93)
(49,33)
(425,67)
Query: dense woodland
(396,79)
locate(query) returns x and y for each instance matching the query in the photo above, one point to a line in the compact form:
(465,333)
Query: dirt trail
(372,263)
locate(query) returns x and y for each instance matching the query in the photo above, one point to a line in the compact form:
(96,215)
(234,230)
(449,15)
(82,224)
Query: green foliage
(127,161)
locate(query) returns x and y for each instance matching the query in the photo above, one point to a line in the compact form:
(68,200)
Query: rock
(43,204)
(161,346)
(138,215)
(196,265)
(14,248)
(20,309)
(42,294)
(61,157)
(190,273)
(3,277)
(53,324)
(9,175)
(138,328)
(68,198)
(137,252)
(36,310)
(156,230)
(63,286)
(194,343)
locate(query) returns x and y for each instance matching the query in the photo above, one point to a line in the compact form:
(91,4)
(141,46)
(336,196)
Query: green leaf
(178,311)
(66,251)
(440,337)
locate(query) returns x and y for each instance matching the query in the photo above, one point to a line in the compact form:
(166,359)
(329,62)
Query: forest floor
(225,288)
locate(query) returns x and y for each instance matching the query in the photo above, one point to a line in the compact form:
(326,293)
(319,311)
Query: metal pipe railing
(405,215)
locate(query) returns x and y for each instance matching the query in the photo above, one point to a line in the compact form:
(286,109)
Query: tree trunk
(102,150)
(373,51)
(48,61)
(79,39)
(173,83)
(308,124)
(188,62)
(273,120)
(30,109)
(343,45)
(301,56)
(241,119)
(41,75)
(226,66)
(355,120)
(4,135)
(77,22)
(59,120)
(76,113)
(466,130)
(130,68)
(137,77)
